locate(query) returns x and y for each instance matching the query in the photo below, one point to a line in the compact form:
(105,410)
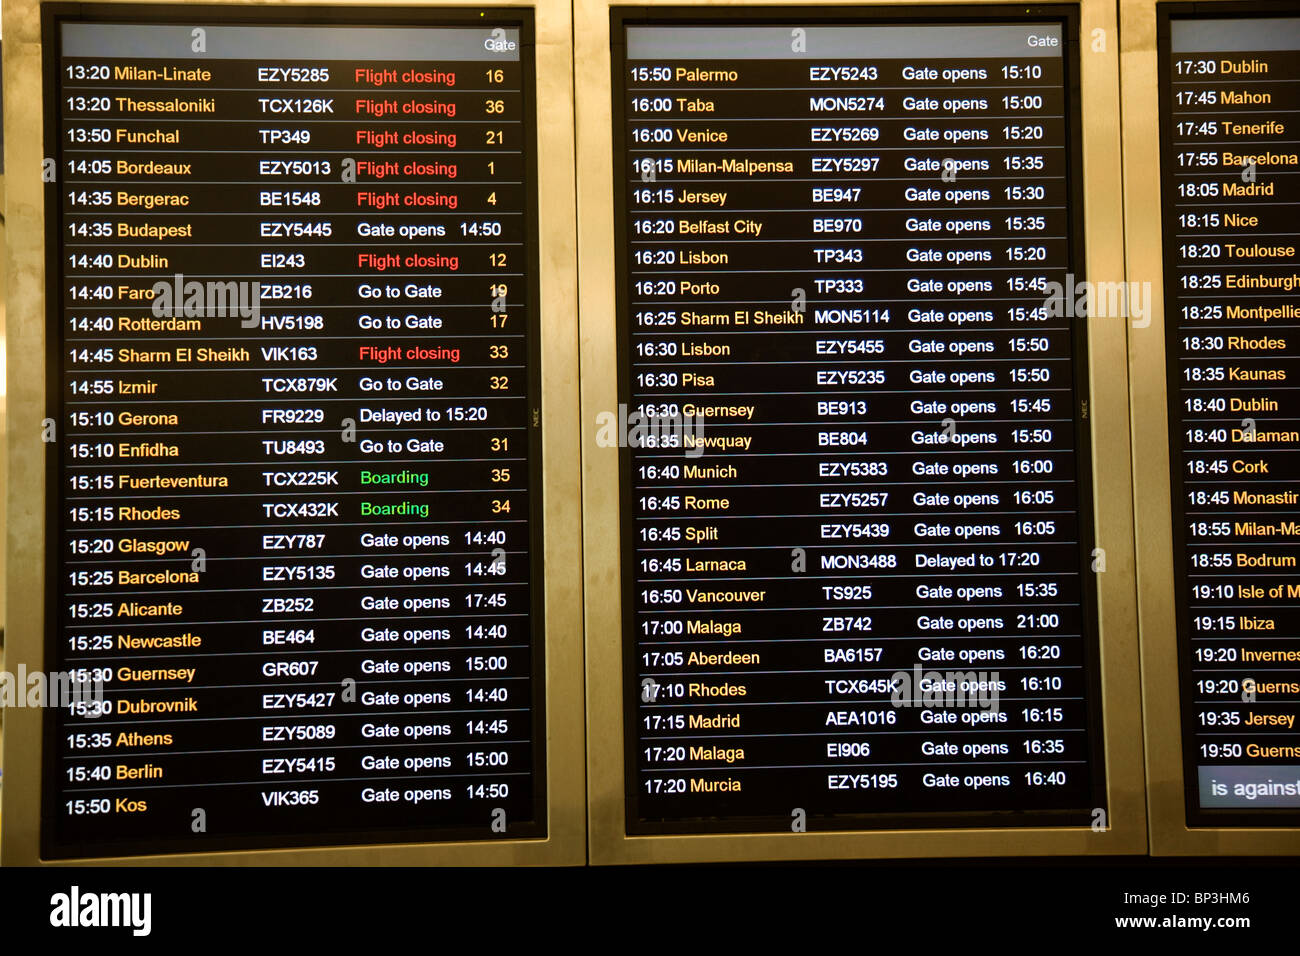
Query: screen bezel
(1164,670)
(610,840)
(557,837)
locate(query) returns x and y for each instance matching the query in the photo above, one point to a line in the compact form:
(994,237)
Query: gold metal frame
(1167,807)
(565,843)
(1121,711)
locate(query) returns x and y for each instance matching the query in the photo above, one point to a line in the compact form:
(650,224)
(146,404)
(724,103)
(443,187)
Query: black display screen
(858,558)
(1230,94)
(294,488)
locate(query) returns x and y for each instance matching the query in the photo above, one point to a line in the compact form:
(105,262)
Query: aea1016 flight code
(857,531)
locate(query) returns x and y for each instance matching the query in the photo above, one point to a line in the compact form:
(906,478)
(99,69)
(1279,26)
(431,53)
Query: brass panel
(565,769)
(1121,713)
(1153,527)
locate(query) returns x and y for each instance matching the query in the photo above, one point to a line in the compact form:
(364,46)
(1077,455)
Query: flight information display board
(1230,94)
(858,558)
(294,501)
